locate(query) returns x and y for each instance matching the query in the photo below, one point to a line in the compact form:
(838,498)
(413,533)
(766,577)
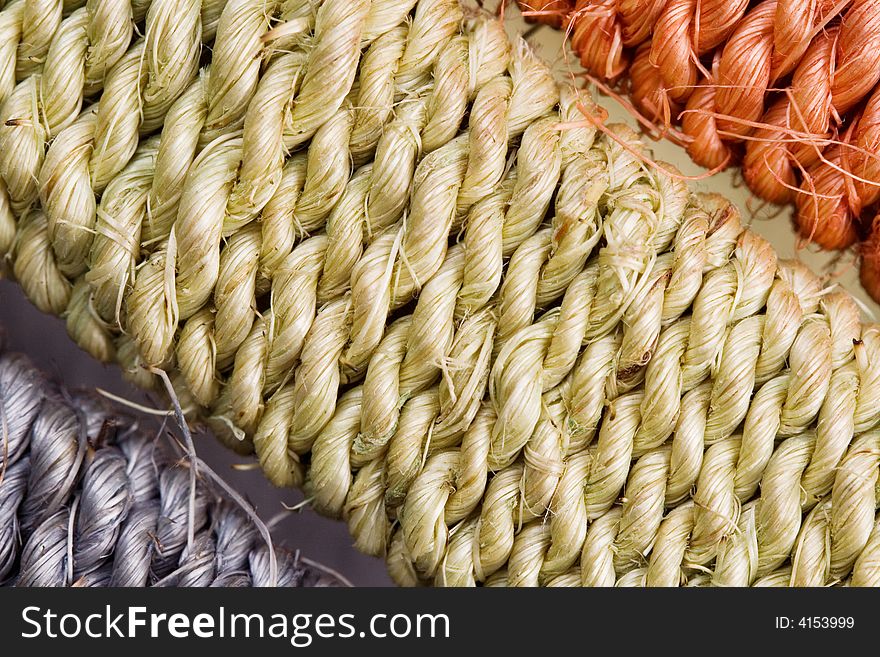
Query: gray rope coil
(89,498)
(377,246)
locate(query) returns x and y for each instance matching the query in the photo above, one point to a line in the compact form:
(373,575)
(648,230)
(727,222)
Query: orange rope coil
(788,89)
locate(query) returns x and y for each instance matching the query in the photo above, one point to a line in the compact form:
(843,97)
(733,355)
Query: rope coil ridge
(89,498)
(785,88)
(503,350)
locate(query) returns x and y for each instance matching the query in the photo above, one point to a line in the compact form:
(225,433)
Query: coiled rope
(786,88)
(89,498)
(500,346)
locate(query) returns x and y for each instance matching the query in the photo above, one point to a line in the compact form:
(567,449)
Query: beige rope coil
(375,244)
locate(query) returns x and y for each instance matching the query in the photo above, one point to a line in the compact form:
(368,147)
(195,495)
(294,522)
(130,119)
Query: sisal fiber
(418,279)
(788,89)
(89,498)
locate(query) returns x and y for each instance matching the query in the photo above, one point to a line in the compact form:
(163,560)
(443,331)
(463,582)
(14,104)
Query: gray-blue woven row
(90,498)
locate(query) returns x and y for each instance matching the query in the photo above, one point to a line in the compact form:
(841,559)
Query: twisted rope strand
(90,499)
(787,88)
(357,275)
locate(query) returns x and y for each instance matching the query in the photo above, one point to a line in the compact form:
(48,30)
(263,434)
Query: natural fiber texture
(89,498)
(787,88)
(501,346)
